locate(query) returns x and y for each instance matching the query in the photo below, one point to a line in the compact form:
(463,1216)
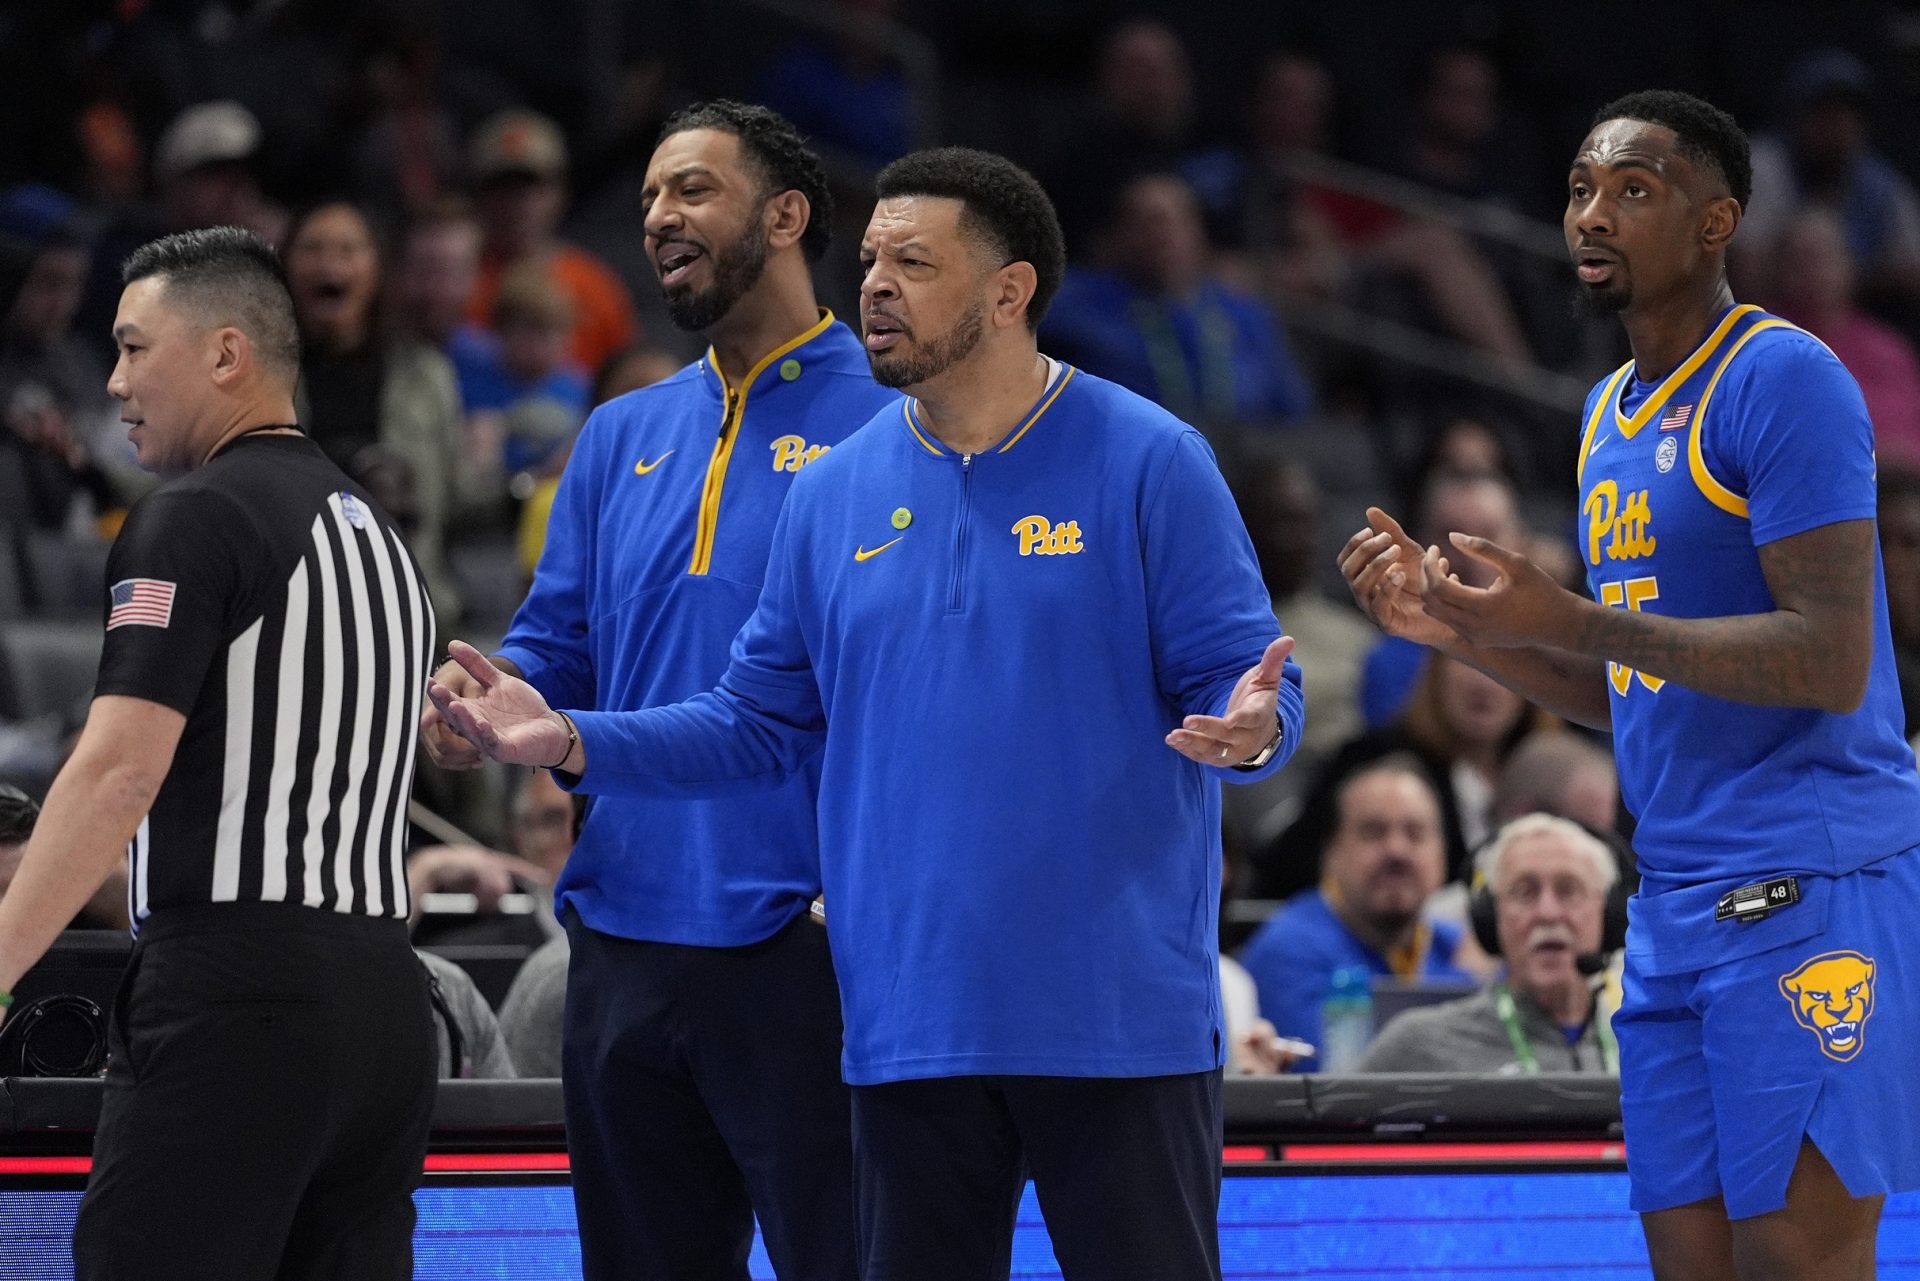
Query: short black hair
(1001,203)
(226,276)
(781,154)
(1707,135)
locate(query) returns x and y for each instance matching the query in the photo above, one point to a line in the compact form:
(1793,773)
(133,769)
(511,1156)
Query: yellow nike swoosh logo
(861,553)
(642,467)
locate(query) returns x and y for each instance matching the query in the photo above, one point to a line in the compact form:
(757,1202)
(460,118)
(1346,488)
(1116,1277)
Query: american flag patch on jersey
(1676,418)
(145,601)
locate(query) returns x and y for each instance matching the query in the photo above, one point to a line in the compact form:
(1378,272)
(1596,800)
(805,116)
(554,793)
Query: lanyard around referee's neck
(1503,1005)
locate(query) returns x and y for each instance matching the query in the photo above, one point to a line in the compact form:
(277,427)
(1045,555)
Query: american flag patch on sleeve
(147,602)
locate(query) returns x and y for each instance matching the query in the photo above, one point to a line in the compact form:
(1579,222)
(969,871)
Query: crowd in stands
(1353,312)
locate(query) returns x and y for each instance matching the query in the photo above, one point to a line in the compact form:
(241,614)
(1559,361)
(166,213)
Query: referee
(251,741)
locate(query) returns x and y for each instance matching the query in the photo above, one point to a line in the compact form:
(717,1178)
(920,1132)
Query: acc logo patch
(1665,453)
(1832,997)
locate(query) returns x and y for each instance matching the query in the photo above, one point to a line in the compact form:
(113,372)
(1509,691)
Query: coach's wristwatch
(1265,754)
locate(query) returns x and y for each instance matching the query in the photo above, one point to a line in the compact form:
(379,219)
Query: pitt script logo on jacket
(1040,537)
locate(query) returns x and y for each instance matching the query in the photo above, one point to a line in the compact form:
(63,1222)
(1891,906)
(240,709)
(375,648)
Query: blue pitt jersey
(1759,435)
(987,652)
(655,554)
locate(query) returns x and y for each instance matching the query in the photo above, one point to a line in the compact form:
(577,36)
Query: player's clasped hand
(1381,566)
(1522,606)
(506,719)
(1252,715)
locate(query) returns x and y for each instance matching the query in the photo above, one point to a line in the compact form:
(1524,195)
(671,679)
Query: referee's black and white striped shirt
(266,598)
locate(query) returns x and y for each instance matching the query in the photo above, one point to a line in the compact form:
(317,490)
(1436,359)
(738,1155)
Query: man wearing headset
(1549,881)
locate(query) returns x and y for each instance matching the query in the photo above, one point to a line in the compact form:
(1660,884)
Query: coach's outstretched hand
(1252,714)
(507,720)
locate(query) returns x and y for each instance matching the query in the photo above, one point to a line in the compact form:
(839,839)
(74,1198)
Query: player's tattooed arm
(1813,649)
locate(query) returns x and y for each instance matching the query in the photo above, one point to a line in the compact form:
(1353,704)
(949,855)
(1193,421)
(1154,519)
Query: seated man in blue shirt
(1155,320)
(1386,859)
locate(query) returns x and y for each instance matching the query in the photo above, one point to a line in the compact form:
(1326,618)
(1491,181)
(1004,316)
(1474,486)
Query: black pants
(703,1087)
(1127,1171)
(267,1104)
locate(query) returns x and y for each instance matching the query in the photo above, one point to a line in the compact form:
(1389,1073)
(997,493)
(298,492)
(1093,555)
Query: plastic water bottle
(1346,1020)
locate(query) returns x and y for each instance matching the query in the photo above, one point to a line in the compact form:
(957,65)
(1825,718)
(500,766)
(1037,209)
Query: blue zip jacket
(654,558)
(1021,876)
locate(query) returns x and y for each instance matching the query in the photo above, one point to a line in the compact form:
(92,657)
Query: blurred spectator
(363,387)
(61,441)
(1157,322)
(524,363)
(624,371)
(462,1014)
(517,164)
(1384,859)
(1549,882)
(439,267)
(629,370)
(106,910)
(486,876)
(1814,283)
(1459,143)
(204,175)
(1280,503)
(1142,118)
(846,94)
(1900,557)
(1311,238)
(1257,204)
(1821,157)
(1487,506)
(1253,1047)
(542,822)
(1460,727)
(1463,447)
(530,1015)
(1563,774)
(404,148)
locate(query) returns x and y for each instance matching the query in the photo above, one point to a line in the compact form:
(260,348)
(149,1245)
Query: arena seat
(53,662)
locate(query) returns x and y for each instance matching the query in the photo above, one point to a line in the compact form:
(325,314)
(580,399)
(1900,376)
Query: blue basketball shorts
(1740,1039)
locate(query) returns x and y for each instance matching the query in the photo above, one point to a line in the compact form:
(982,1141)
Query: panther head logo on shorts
(1832,996)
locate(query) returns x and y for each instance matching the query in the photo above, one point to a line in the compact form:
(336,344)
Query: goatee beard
(736,270)
(938,356)
(1599,304)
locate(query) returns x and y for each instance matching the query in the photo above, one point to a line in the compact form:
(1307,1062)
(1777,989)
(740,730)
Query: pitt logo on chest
(1617,527)
(1040,537)
(791,453)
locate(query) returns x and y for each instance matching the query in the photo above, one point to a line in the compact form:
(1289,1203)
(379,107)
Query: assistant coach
(250,742)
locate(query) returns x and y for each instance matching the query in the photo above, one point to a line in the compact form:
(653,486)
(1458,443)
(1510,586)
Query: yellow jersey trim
(1630,427)
(736,409)
(906,411)
(1710,487)
(1044,405)
(1593,421)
